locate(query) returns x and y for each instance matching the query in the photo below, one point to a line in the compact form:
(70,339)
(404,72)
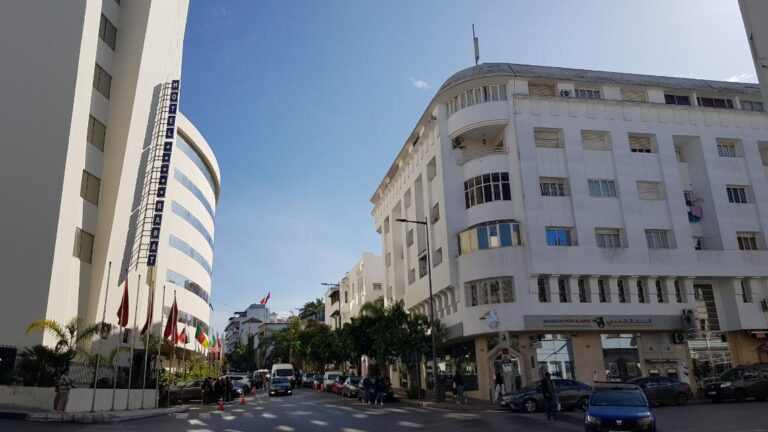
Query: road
(312,411)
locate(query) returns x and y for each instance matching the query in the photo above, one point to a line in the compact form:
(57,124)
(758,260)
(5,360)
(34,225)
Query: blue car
(618,407)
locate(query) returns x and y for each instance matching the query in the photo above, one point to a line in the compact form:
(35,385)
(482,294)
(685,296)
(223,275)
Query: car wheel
(740,396)
(583,403)
(681,399)
(530,405)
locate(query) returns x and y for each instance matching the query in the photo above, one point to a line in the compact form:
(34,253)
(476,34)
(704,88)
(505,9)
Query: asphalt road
(312,411)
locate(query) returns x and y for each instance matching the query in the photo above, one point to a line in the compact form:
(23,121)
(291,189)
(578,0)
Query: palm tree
(374,309)
(72,337)
(312,309)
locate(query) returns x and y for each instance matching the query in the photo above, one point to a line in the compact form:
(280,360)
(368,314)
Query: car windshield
(279,380)
(354,380)
(283,372)
(629,398)
(332,377)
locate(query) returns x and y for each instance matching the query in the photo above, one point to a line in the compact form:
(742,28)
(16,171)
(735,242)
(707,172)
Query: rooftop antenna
(477,45)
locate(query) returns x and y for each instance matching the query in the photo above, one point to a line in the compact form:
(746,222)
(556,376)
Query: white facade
(80,95)
(574,161)
(241,324)
(363,283)
(755,15)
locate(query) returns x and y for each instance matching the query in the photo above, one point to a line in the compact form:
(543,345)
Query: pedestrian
(550,399)
(458,383)
(364,385)
(381,390)
(207,389)
(217,391)
(499,391)
(228,389)
(63,385)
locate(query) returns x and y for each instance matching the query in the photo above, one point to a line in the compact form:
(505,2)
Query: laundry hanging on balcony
(694,213)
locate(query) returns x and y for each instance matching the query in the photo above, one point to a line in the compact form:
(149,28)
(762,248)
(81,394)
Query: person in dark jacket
(498,391)
(458,383)
(228,389)
(217,390)
(550,398)
(365,386)
(380,391)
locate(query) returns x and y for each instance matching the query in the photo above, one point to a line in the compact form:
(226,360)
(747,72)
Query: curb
(102,417)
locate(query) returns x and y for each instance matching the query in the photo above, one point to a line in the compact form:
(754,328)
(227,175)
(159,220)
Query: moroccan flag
(182,339)
(263,300)
(150,308)
(171,325)
(122,311)
(200,336)
(266,299)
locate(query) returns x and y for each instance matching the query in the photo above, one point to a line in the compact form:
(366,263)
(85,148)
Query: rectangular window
(649,190)
(661,296)
(633,95)
(602,188)
(640,144)
(622,292)
(411,276)
(688,197)
(747,240)
(746,293)
(553,187)
(541,89)
(583,291)
(102,81)
(587,94)
(377,287)
(107,32)
(543,290)
(715,102)
(641,297)
(407,199)
(657,239)
(431,169)
(486,188)
(737,194)
(594,140)
(83,245)
(97,133)
(562,291)
(601,291)
(423,266)
(434,215)
(409,237)
(89,188)
(671,99)
(678,292)
(437,257)
(557,236)
(548,138)
(388,259)
(608,238)
(752,106)
(726,149)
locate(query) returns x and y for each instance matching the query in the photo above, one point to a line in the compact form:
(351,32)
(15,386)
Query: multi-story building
(243,325)
(363,283)
(88,127)
(753,13)
(597,225)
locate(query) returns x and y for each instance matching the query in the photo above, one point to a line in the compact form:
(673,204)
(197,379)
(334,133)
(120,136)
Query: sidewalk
(30,414)
(449,403)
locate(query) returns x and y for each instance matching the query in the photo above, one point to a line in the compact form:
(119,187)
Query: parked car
(319,382)
(664,390)
(283,370)
(280,385)
(338,384)
(570,393)
(240,388)
(618,406)
(243,380)
(350,387)
(309,380)
(741,383)
(388,397)
(328,379)
(186,391)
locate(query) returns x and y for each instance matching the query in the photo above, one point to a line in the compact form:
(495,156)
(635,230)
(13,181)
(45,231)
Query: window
(657,239)
(747,240)
(187,215)
(489,235)
(377,286)
(489,93)
(562,291)
(186,283)
(583,291)
(593,140)
(409,237)
(559,236)
(194,155)
(661,296)
(677,99)
(548,138)
(622,293)
(633,95)
(411,276)
(431,169)
(543,290)
(89,188)
(191,252)
(388,259)
(102,81)
(602,188)
(486,188)
(541,89)
(552,187)
(688,197)
(107,32)
(192,187)
(437,257)
(649,190)
(608,238)
(587,94)
(641,297)
(423,270)
(678,292)
(751,106)
(746,293)
(407,198)
(737,194)
(601,291)
(490,291)
(640,144)
(714,102)
(434,215)
(346,297)
(726,149)
(83,245)
(96,133)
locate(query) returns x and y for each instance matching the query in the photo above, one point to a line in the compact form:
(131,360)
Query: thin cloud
(744,77)
(419,84)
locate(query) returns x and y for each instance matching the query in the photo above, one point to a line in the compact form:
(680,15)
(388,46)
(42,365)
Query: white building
(87,119)
(245,323)
(363,283)
(754,14)
(592,215)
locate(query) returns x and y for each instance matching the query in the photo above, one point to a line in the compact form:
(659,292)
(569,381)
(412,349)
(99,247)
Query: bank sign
(602,322)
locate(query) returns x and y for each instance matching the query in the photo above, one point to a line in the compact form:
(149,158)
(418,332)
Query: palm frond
(50,326)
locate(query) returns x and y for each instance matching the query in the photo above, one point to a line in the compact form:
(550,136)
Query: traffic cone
(253,391)
(221,403)
(242,399)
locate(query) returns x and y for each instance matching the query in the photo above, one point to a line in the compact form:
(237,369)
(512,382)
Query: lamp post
(436,384)
(335,285)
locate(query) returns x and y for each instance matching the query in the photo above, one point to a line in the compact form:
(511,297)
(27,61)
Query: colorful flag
(171,325)
(122,311)
(182,339)
(200,335)
(263,300)
(150,309)
(213,343)
(266,299)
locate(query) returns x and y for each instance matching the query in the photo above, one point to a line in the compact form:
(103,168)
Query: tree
(312,310)
(73,337)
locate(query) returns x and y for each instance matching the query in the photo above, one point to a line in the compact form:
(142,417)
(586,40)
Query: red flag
(263,300)
(182,339)
(122,311)
(266,299)
(150,309)
(170,325)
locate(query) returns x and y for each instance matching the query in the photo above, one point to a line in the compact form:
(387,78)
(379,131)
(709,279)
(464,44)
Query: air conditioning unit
(679,337)
(565,93)
(458,142)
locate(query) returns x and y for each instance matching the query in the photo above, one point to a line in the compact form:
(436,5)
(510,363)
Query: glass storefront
(554,354)
(621,357)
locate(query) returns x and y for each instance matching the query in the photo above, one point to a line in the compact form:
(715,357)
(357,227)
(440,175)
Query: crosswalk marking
(182,416)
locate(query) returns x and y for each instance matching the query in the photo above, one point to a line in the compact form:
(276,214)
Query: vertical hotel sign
(172,110)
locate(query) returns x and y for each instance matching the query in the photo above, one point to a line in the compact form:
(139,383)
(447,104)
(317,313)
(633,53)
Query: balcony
(480,141)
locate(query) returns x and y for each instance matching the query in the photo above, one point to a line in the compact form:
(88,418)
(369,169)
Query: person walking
(63,385)
(458,383)
(228,389)
(380,391)
(499,390)
(550,398)
(364,385)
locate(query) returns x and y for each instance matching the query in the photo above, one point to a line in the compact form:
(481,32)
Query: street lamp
(335,285)
(431,307)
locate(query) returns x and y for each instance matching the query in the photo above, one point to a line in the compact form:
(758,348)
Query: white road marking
(182,416)
(205,415)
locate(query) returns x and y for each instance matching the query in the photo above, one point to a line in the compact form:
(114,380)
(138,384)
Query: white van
(283,370)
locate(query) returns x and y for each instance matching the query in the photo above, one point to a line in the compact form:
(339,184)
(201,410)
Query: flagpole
(159,347)
(133,342)
(117,354)
(101,337)
(174,336)
(151,304)
(184,360)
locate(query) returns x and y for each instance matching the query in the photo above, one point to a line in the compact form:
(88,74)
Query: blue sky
(306,104)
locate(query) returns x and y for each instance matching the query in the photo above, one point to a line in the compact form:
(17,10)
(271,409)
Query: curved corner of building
(196,139)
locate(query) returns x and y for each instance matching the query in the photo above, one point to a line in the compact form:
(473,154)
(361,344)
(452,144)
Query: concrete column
(631,289)
(533,288)
(554,289)
(651,283)
(686,285)
(594,289)
(736,287)
(668,285)
(572,285)
(588,357)
(613,289)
